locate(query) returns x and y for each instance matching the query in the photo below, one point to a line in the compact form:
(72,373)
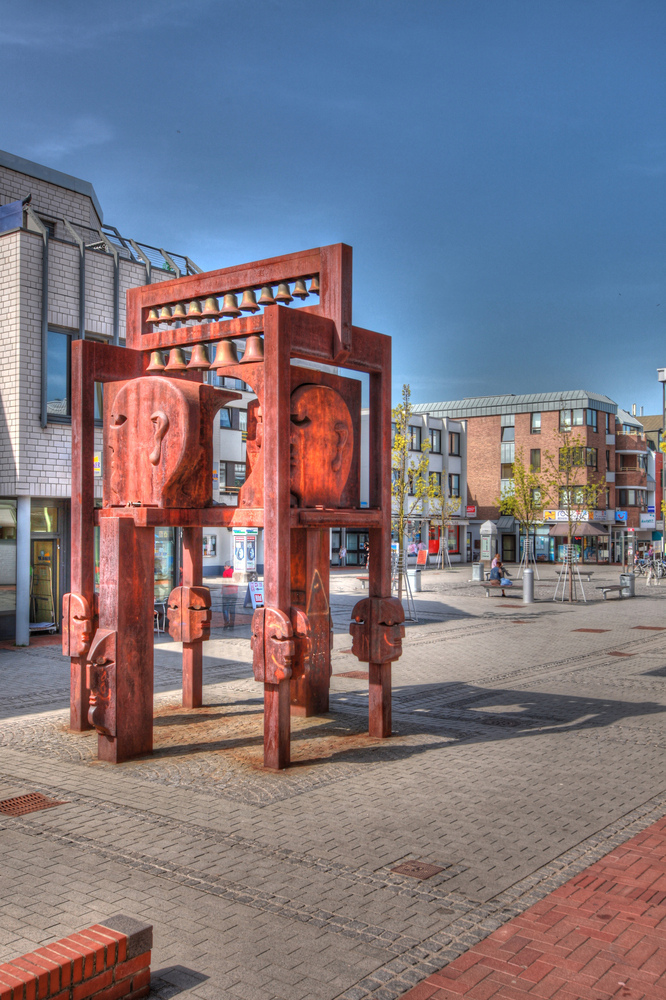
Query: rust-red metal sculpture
(303,459)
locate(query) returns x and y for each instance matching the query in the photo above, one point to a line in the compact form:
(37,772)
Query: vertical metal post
(277,527)
(192,651)
(23,571)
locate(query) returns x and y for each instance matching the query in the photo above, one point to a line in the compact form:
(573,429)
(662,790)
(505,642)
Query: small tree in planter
(443,507)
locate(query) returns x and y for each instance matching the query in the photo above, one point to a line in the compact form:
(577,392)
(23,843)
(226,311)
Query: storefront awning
(507,522)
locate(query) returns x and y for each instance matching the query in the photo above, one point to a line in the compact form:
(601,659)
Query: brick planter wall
(107,961)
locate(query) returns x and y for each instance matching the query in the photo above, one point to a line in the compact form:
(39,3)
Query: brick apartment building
(616,454)
(63,275)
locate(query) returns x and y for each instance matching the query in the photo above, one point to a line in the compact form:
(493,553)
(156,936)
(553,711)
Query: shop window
(535,459)
(43,519)
(7,558)
(225,417)
(454,485)
(454,442)
(436,442)
(210,545)
(508,434)
(535,423)
(414,438)
(592,420)
(454,540)
(58,376)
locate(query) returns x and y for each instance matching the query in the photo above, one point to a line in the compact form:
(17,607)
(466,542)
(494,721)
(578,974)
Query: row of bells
(230,306)
(226,354)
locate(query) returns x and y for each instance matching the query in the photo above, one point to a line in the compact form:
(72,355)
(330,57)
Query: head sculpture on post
(322,445)
(158,442)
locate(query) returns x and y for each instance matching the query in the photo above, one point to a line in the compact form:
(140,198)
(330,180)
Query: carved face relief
(322,443)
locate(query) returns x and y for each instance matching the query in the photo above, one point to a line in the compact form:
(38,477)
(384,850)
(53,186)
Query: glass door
(44,582)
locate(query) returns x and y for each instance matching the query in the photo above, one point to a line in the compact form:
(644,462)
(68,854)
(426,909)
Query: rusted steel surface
(303,463)
(158,442)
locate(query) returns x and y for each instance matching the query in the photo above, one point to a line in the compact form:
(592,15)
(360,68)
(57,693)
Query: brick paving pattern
(600,935)
(520,757)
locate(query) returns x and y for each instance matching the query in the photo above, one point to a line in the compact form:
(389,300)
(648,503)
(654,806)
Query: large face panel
(158,444)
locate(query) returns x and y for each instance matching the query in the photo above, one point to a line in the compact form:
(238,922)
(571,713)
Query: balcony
(630,443)
(631,478)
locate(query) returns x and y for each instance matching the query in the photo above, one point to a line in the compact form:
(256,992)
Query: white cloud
(82,132)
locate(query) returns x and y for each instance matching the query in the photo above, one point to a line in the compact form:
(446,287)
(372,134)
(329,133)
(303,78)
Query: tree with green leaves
(572,484)
(411,484)
(523,499)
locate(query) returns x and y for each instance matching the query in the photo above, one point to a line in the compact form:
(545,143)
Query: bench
(364,578)
(496,585)
(609,590)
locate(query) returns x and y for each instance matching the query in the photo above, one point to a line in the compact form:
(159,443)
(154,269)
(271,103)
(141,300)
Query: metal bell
(156,362)
(249,301)
(165,314)
(211,307)
(266,297)
(300,290)
(226,354)
(230,305)
(153,316)
(254,349)
(194,309)
(179,311)
(176,362)
(199,360)
(314,285)
(283,293)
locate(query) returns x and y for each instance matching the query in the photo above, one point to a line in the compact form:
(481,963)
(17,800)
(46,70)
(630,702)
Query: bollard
(528,586)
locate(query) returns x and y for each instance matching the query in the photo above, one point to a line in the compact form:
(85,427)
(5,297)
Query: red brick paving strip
(600,935)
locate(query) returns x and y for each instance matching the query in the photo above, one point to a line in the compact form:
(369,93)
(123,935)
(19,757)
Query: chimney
(633,409)
(641,411)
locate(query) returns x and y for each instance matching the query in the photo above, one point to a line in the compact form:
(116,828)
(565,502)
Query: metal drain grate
(30,803)
(417,869)
(590,630)
(360,675)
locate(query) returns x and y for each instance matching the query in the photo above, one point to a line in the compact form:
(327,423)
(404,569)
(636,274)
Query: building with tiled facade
(616,456)
(63,275)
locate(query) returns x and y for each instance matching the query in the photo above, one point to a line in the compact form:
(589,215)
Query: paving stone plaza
(528,743)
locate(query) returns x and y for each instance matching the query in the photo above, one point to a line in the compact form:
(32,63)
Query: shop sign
(216,478)
(621,515)
(97,464)
(647,522)
(471,511)
(256,593)
(561,515)
(651,510)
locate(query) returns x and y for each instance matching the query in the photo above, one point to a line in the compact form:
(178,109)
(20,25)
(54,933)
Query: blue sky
(497,165)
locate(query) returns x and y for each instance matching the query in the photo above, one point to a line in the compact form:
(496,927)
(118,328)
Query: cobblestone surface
(521,754)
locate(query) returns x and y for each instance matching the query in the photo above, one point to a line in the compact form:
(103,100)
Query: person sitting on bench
(499,574)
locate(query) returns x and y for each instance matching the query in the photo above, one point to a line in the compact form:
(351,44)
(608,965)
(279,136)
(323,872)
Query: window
(239,474)
(454,443)
(508,434)
(591,458)
(436,480)
(632,498)
(58,400)
(50,226)
(574,497)
(454,539)
(242,424)
(507,452)
(579,418)
(565,420)
(608,465)
(223,477)
(610,423)
(578,457)
(454,485)
(414,438)
(629,429)
(507,470)
(535,459)
(436,442)
(536,499)
(535,424)
(592,420)
(225,417)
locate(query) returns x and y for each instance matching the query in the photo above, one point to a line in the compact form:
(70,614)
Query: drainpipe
(116,286)
(82,278)
(23,571)
(41,228)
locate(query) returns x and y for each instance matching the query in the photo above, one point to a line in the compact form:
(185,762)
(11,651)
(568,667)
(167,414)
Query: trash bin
(628,584)
(415,580)
(528,586)
(477,572)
